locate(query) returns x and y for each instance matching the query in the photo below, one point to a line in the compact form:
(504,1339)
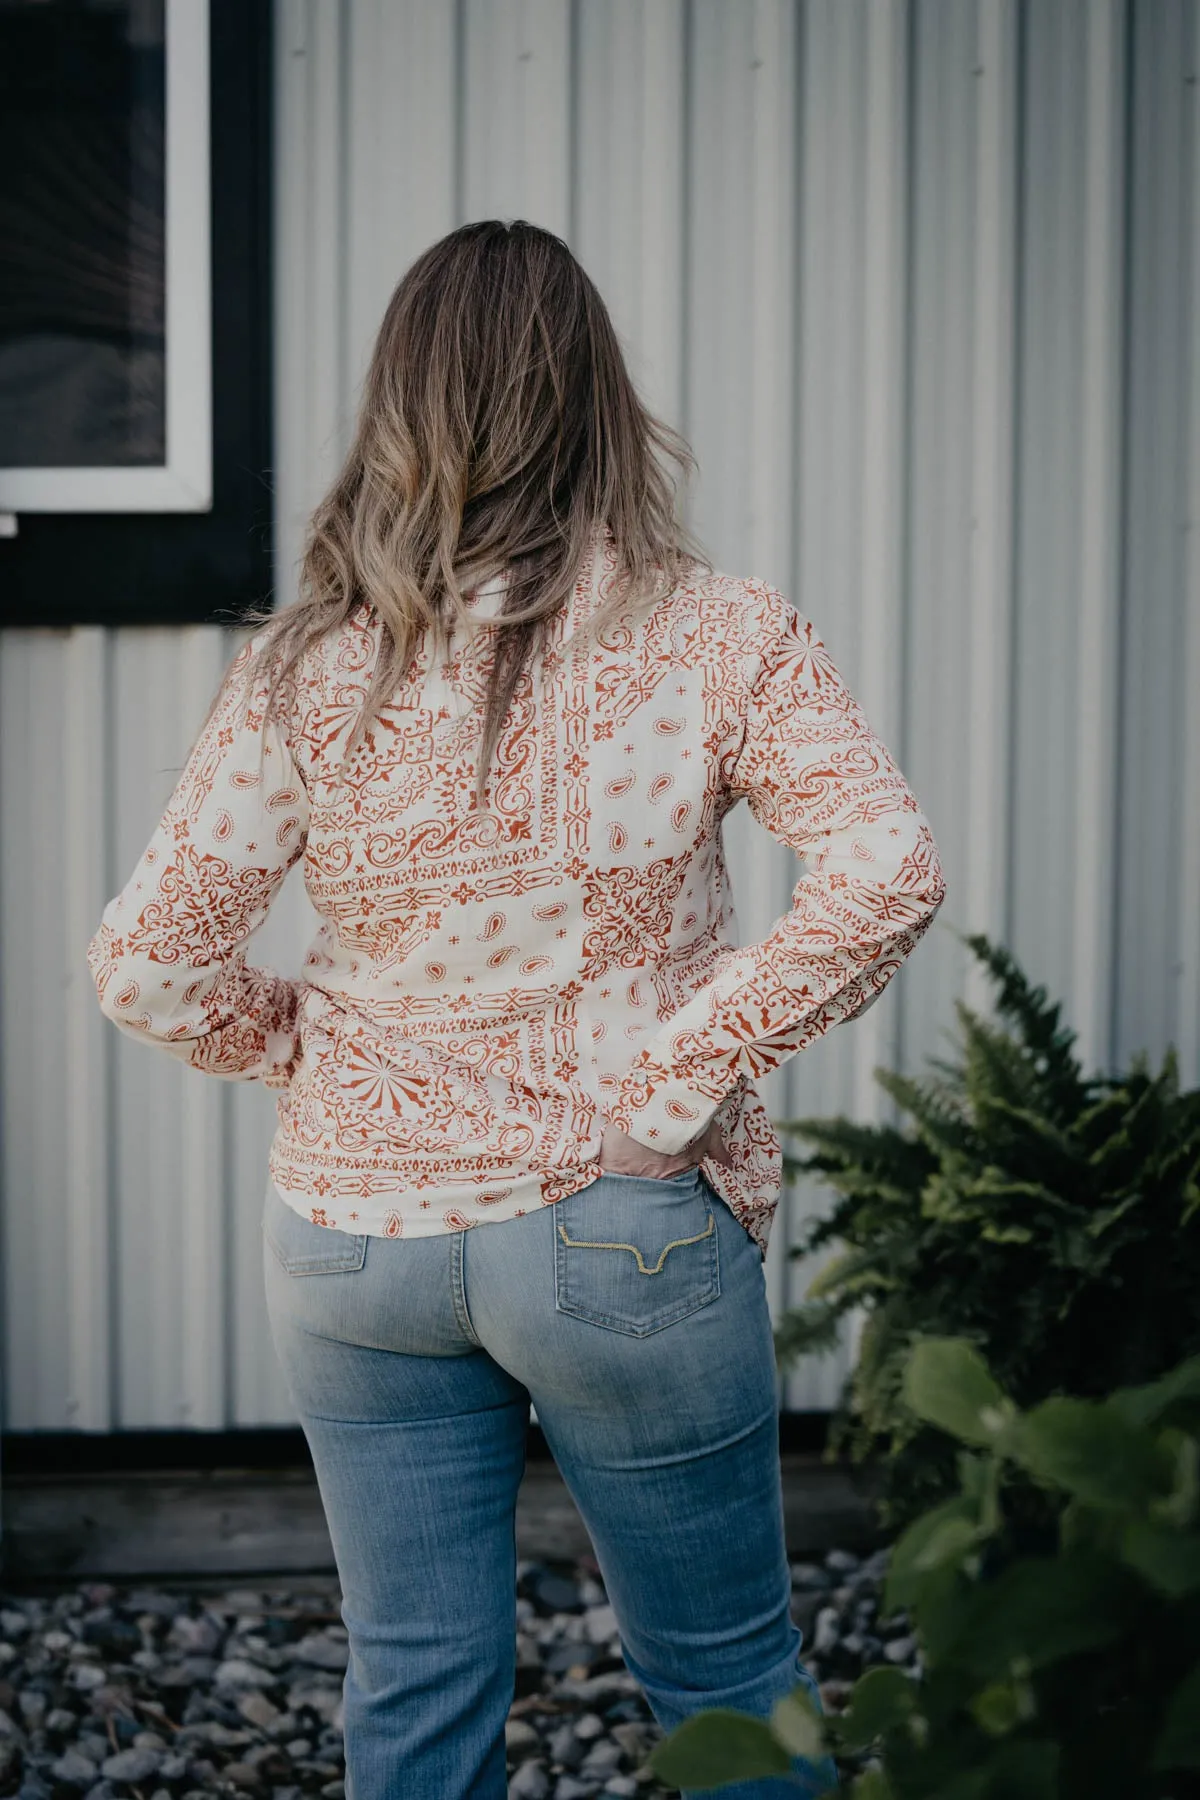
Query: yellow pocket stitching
(607,1244)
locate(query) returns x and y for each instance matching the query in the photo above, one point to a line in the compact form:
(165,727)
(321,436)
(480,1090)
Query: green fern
(1048,1216)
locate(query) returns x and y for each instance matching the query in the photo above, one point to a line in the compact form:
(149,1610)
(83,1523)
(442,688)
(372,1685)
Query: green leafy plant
(1069,1675)
(1050,1217)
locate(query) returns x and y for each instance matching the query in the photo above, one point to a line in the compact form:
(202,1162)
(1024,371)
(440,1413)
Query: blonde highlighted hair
(498,430)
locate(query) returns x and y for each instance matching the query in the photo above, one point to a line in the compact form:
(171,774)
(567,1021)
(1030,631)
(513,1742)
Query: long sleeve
(168,958)
(819,780)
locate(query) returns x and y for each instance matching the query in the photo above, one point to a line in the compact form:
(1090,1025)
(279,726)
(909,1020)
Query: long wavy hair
(498,430)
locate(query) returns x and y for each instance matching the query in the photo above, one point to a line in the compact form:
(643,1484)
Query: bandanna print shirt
(489,987)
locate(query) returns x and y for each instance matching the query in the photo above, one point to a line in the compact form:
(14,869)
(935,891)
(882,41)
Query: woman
(520,1151)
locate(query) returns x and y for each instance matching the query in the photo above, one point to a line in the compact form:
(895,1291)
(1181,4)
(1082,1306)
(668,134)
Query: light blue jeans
(634,1314)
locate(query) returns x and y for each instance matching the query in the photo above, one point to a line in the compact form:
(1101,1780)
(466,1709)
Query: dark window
(82,346)
(86,133)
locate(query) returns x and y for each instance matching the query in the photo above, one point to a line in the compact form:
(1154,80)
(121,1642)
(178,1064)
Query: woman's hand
(622,1155)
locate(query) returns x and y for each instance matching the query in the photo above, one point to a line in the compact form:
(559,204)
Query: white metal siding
(919,282)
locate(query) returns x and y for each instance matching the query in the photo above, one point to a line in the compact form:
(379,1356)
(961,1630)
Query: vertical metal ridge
(1102,503)
(988,848)
(882,582)
(200,655)
(1187,1020)
(83,1089)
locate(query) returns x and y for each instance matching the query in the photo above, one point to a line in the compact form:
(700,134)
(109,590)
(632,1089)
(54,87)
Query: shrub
(1050,1218)
(1073,1675)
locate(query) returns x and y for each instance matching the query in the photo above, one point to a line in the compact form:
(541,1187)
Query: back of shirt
(490,986)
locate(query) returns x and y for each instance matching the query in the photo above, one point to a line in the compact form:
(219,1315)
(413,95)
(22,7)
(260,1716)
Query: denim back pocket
(303,1248)
(636,1253)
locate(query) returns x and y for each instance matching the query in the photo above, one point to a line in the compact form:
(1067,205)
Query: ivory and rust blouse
(488,987)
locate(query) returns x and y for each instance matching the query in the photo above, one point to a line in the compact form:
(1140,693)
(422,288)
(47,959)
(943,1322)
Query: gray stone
(809,1575)
(520,1738)
(564,1747)
(87,1677)
(60,1719)
(257,1710)
(603,1758)
(319,1696)
(237,1673)
(196,1637)
(334,1790)
(620,1785)
(841,1562)
(572,1787)
(76,1770)
(599,1689)
(240,1775)
(826,1634)
(131,1765)
(901,1649)
(173,1768)
(530,1782)
(320,1652)
(600,1624)
(588,1726)
(13,1624)
(555,1592)
(635,1740)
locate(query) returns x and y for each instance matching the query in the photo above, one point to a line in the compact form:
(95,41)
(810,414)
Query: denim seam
(458,1291)
(607,1244)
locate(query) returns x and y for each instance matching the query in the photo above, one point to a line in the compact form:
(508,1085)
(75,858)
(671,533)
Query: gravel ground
(107,1692)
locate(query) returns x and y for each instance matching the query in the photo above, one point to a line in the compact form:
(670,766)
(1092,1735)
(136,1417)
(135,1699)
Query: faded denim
(634,1315)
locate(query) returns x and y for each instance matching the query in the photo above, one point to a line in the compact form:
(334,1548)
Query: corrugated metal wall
(917,279)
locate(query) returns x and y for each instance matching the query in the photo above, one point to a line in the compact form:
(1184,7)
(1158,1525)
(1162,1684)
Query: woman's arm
(168,958)
(820,781)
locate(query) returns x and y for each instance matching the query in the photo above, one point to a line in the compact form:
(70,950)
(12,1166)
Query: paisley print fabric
(489,986)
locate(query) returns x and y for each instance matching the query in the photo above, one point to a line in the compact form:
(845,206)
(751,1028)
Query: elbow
(919,882)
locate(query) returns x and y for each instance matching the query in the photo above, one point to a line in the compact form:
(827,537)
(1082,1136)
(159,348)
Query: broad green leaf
(1088,1449)
(798,1724)
(948,1544)
(1178,1744)
(1041,1610)
(906,1568)
(1181,1507)
(871,1785)
(1146,1405)
(1169,1560)
(939,1610)
(882,1699)
(718,1747)
(946,1382)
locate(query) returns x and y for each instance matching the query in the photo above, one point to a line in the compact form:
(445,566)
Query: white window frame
(184,482)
